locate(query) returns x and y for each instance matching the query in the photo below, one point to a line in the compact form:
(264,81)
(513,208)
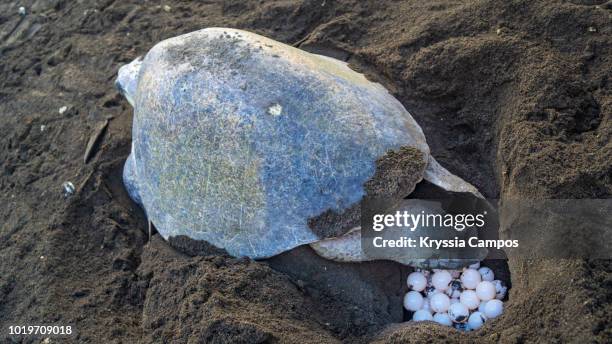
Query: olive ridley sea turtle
(258,147)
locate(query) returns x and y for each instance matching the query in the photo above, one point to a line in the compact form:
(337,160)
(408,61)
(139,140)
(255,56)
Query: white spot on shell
(275,109)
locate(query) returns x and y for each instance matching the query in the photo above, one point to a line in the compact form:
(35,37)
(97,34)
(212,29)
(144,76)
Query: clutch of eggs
(464,299)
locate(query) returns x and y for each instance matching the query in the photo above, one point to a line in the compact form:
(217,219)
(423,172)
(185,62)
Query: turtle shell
(257,147)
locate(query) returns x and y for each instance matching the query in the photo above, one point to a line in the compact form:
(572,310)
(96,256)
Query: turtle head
(127,79)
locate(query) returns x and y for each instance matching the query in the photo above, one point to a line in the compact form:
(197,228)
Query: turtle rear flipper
(441,177)
(348,247)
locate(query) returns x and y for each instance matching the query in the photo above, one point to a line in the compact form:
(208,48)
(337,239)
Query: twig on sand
(94,138)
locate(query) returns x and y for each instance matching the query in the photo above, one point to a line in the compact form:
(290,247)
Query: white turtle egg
(443,319)
(439,303)
(481,306)
(474,266)
(458,312)
(469,299)
(426,305)
(500,289)
(476,320)
(413,301)
(470,278)
(493,308)
(422,315)
(441,280)
(486,274)
(417,281)
(485,291)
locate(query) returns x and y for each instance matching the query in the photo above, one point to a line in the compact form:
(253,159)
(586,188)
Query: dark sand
(513,96)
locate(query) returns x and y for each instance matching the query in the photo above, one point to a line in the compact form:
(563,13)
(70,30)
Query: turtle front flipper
(130,179)
(127,79)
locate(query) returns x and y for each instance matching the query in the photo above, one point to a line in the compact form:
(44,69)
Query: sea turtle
(258,147)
